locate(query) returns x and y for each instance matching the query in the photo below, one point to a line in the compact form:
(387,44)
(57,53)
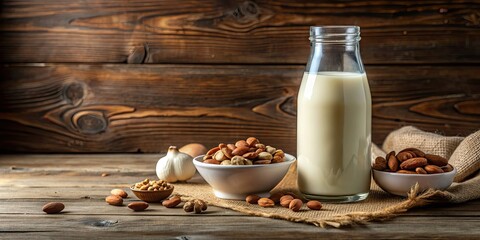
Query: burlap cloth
(463,153)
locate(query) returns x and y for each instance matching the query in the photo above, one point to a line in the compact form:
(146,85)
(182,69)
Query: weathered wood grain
(235,31)
(146,108)
(36,179)
(238,227)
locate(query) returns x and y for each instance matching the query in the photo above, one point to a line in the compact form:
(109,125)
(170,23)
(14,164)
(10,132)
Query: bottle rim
(334,34)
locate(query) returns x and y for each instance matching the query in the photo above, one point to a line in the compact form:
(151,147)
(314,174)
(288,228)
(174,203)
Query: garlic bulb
(175,166)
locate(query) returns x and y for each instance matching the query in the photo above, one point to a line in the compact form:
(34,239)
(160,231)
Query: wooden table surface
(27,182)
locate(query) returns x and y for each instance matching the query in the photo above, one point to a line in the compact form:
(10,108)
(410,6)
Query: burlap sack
(464,154)
(466,157)
(428,142)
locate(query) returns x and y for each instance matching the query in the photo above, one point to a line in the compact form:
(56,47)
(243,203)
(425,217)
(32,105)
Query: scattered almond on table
(286,200)
(53,207)
(138,206)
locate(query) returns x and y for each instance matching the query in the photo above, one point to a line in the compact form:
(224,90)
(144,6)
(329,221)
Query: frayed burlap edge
(415,199)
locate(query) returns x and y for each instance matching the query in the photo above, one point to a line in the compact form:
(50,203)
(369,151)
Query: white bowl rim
(454,171)
(289,159)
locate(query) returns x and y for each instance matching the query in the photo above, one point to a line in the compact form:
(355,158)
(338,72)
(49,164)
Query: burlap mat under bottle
(463,153)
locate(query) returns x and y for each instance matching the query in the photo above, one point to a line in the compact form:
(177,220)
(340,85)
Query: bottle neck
(335,49)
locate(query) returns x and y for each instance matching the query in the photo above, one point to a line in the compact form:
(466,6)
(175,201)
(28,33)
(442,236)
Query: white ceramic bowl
(400,183)
(238,181)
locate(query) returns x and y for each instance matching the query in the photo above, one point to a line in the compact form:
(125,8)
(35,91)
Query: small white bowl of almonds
(398,173)
(152,190)
(243,168)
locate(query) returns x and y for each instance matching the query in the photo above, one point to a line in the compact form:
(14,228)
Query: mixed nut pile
(244,152)
(152,185)
(412,161)
(287,200)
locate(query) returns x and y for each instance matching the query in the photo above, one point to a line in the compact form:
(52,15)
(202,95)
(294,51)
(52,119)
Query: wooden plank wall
(137,76)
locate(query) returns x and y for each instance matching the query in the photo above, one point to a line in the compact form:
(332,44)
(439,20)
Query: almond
(402,156)
(420,170)
(262,162)
(227,152)
(416,151)
(231,146)
(252,199)
(211,161)
(172,202)
(138,206)
(278,159)
(119,192)
(285,202)
(392,161)
(447,168)
(413,163)
(252,141)
(276,197)
(212,151)
(53,207)
(219,156)
(432,169)
(250,155)
(114,200)
(436,160)
(286,197)
(266,202)
(295,205)
(379,164)
(314,205)
(241,143)
(240,150)
(406,172)
(265,156)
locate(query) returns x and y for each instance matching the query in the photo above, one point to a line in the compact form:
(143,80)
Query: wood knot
(137,55)
(105,223)
(90,122)
(247,11)
(74,93)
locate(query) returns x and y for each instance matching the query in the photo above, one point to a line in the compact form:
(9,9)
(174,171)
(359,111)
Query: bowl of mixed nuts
(152,190)
(245,167)
(398,173)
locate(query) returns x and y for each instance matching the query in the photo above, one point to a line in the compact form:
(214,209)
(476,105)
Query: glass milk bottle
(334,118)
